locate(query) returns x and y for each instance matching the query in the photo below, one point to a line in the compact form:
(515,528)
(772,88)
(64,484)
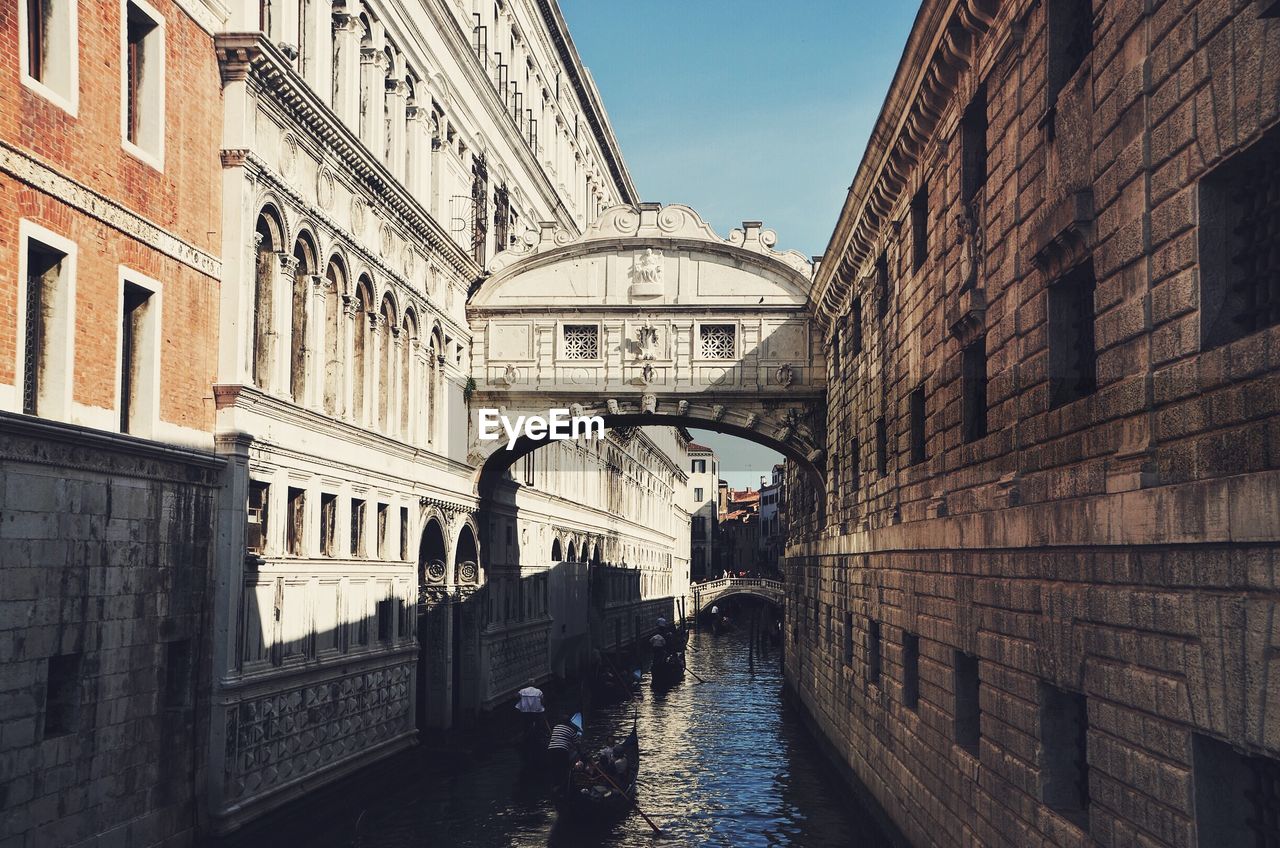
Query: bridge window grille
(974,380)
(873,651)
(718,341)
(1240,244)
(1237,796)
(1064,744)
(1072,355)
(911,671)
(968,715)
(581,341)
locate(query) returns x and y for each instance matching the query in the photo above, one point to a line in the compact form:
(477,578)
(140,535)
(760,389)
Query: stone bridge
(706,594)
(650,318)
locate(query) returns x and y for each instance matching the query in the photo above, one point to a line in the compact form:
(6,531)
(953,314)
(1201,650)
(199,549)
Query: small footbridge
(706,594)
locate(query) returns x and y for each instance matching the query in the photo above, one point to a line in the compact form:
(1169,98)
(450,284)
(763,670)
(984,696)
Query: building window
(404,534)
(139,358)
(256,517)
(973,147)
(1070,36)
(528,469)
(835,353)
(581,341)
(295,528)
(1072,357)
(46,331)
(697,495)
(143,95)
(386,619)
(383,510)
(480,208)
(62,696)
(501,218)
(873,652)
(882,447)
(1064,746)
(968,717)
(882,286)
(1237,796)
(916,409)
(177,674)
(718,341)
(920,228)
(328,523)
(853,328)
(1239,216)
(974,389)
(911,671)
(848,639)
(49,51)
(699,466)
(357,527)
(855,469)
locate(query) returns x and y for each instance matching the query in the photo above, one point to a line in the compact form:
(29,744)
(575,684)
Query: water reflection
(723,763)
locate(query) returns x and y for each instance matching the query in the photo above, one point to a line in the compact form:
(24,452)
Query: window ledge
(70,105)
(154,160)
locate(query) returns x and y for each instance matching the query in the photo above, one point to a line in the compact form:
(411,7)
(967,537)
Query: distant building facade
(1029,606)
(704,488)
(773,532)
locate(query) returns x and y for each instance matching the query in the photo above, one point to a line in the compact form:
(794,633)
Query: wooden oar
(630,798)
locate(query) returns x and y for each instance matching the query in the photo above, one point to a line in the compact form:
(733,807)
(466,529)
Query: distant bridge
(706,594)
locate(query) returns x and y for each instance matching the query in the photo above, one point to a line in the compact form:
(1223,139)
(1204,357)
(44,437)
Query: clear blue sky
(744,110)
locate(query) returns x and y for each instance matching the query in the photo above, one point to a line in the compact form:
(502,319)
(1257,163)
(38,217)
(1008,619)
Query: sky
(744,110)
(747,110)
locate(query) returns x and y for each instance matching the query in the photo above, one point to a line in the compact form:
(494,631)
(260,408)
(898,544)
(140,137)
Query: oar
(630,798)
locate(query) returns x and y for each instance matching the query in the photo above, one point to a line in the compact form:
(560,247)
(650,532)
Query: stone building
(109,122)
(1034,604)
(704,487)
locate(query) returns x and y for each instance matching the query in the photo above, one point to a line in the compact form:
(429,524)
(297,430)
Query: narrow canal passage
(723,763)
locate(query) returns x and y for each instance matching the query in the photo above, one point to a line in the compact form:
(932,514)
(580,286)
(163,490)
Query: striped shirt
(564,737)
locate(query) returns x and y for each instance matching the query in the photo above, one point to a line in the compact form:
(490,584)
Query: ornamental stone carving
(785,375)
(646,274)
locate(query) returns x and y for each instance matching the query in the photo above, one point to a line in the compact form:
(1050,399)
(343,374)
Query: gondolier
(562,747)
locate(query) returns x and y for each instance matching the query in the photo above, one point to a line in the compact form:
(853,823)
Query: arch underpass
(708,593)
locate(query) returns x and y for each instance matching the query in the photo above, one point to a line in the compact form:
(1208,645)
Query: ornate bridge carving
(651,318)
(706,594)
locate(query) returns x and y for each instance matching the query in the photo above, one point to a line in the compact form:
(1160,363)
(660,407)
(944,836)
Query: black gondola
(669,664)
(586,794)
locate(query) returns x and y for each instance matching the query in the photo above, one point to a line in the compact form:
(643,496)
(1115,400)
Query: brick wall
(1122,546)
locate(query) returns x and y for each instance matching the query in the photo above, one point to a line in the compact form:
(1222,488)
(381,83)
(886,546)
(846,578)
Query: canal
(723,763)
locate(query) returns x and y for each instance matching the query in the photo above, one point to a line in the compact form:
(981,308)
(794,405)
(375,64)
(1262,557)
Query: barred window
(719,341)
(581,341)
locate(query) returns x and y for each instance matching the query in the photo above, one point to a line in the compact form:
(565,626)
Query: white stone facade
(704,483)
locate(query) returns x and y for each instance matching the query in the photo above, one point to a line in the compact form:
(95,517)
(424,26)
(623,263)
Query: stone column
(351,318)
(417,176)
(373,360)
(344,93)
(397,94)
(281,356)
(316,46)
(418,384)
(373,89)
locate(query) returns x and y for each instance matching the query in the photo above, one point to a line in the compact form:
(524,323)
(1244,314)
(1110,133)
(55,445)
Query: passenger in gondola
(612,761)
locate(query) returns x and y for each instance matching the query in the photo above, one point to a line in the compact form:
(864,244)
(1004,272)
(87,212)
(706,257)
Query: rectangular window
(404,534)
(973,147)
(882,286)
(383,510)
(917,414)
(882,447)
(1064,746)
(697,494)
(386,619)
(328,523)
(46,329)
(143,95)
(848,639)
(256,524)
(357,527)
(1072,357)
(974,379)
(62,696)
(139,367)
(873,651)
(49,51)
(177,674)
(1237,796)
(1239,216)
(528,469)
(295,529)
(581,341)
(855,468)
(1070,36)
(718,341)
(699,466)
(911,671)
(968,717)
(920,228)
(853,327)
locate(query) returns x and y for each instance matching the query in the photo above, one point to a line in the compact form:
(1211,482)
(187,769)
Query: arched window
(304,252)
(334,354)
(361,355)
(555,551)
(386,362)
(572,556)
(269,237)
(408,344)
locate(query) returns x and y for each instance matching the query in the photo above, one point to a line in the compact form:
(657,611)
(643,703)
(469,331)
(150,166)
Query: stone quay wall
(1036,604)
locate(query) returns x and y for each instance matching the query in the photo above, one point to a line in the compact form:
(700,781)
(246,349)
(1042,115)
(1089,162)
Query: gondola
(668,666)
(588,797)
(613,684)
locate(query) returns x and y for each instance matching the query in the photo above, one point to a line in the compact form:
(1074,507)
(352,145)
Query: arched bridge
(706,594)
(650,318)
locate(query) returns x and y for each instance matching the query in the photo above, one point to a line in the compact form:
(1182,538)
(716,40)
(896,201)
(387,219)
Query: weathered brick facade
(1088,501)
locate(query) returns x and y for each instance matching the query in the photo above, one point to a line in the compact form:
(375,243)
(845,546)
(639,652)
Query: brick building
(1035,604)
(109,269)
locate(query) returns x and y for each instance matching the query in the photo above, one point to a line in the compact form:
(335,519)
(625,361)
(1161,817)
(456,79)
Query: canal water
(722,763)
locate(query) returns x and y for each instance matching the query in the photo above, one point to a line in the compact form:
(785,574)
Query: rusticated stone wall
(1059,631)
